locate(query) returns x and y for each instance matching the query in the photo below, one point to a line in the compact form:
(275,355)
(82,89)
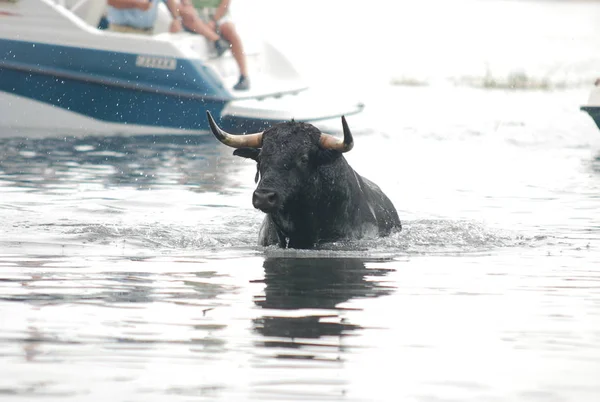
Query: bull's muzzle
(265,200)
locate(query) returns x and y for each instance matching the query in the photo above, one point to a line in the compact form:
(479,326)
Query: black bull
(307,188)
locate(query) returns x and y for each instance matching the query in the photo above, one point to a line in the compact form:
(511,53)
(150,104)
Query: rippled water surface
(130,270)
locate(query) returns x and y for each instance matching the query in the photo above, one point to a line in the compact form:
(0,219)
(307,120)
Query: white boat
(62,75)
(593,105)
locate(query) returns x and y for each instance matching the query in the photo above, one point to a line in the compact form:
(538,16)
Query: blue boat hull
(108,86)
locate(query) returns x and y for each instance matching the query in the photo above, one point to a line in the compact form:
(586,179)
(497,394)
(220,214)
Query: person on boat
(139,16)
(211,18)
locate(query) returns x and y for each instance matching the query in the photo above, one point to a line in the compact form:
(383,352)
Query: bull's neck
(326,209)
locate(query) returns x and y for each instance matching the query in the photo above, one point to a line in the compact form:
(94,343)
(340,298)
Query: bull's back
(381,207)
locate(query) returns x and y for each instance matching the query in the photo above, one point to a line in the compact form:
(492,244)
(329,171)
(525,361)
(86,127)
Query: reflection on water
(141,162)
(314,288)
(107,319)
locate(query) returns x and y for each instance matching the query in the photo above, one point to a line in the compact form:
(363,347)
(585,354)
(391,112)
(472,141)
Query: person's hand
(212,24)
(144,5)
(176,26)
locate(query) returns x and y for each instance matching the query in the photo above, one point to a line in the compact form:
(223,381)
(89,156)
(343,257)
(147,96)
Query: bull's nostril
(264,199)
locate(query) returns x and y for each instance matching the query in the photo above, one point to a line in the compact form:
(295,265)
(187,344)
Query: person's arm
(141,4)
(173,7)
(222,9)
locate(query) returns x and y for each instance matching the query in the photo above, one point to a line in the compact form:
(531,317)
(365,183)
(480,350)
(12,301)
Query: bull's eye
(304,159)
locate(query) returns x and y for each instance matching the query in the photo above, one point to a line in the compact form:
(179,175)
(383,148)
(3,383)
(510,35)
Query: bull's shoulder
(380,205)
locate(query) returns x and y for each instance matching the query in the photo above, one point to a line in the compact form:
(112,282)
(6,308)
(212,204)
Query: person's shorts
(206,15)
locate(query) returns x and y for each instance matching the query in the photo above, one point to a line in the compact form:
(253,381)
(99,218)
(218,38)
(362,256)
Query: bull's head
(289,156)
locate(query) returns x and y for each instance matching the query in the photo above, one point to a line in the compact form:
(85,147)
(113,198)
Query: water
(130,269)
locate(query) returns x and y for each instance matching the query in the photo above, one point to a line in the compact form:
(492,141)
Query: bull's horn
(330,142)
(235,141)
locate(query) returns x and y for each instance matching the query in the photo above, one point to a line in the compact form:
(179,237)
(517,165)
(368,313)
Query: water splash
(417,237)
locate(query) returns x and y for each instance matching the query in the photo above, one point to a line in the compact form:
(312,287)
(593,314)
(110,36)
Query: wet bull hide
(307,189)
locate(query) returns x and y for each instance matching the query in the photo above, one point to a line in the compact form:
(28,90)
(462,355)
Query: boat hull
(25,117)
(63,89)
(594,112)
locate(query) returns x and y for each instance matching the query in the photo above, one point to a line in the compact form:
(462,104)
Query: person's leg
(194,23)
(237,49)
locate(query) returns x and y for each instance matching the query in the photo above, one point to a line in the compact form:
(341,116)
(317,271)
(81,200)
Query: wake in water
(440,237)
(417,237)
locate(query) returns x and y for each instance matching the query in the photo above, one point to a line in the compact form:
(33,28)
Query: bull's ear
(250,153)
